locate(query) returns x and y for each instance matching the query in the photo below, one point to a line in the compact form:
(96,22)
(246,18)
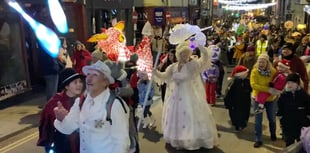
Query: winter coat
(97,135)
(211,74)
(294,107)
(297,65)
(238,94)
(48,133)
(80,59)
(238,101)
(142,87)
(260,83)
(247,60)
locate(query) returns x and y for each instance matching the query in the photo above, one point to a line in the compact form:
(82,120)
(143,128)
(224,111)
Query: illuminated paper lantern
(115,43)
(288,25)
(301,26)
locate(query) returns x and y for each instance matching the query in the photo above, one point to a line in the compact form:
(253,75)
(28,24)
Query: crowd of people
(94,109)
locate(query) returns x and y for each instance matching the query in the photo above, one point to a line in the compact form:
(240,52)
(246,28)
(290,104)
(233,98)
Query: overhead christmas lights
(235,1)
(307,9)
(248,6)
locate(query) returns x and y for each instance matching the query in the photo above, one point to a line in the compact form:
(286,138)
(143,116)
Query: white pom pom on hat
(284,63)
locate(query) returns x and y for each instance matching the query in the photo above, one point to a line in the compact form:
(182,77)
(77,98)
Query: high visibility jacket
(261,47)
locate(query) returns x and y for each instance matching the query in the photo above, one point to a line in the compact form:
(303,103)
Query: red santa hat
(239,70)
(284,63)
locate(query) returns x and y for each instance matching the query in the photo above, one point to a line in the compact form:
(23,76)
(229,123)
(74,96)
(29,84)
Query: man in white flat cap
(97,134)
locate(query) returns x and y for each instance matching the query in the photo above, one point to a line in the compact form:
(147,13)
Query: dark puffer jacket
(294,107)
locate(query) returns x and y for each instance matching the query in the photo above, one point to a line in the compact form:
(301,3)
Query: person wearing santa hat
(279,81)
(238,97)
(261,75)
(297,65)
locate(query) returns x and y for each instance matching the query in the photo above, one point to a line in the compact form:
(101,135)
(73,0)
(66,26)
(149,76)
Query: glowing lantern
(46,37)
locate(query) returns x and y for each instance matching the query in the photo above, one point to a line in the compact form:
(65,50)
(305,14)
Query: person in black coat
(237,97)
(294,109)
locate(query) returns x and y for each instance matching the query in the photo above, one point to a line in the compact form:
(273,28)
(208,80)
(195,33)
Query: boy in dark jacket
(294,109)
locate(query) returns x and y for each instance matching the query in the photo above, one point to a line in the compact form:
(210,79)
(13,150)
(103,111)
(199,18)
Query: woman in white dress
(187,120)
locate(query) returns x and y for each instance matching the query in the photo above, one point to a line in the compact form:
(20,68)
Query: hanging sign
(158,16)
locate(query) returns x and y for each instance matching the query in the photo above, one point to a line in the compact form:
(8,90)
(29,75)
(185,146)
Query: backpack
(109,104)
(132,132)
(305,138)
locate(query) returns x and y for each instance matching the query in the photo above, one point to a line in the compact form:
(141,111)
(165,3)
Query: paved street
(230,142)
(22,117)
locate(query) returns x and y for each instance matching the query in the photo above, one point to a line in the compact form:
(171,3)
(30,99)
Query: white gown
(187,120)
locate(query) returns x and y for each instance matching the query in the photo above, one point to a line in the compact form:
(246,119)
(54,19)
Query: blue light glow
(58,16)
(46,37)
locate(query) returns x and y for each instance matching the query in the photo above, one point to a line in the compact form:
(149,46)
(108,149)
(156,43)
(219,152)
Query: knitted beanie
(294,77)
(263,56)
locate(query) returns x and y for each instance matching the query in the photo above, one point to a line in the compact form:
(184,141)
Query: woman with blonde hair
(187,120)
(262,74)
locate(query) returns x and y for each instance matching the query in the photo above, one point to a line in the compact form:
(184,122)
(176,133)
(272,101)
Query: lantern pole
(134,20)
(148,88)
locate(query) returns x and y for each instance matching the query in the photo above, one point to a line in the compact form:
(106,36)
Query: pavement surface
(25,115)
(21,116)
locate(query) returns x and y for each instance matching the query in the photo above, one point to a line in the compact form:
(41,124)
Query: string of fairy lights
(307,9)
(245,4)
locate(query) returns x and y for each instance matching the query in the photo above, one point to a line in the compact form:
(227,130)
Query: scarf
(264,72)
(289,57)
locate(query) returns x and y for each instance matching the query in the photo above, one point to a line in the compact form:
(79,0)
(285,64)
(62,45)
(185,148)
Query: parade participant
(71,84)
(231,42)
(97,55)
(148,117)
(261,45)
(261,75)
(303,46)
(297,65)
(132,76)
(238,97)
(63,55)
(248,59)
(210,76)
(50,69)
(218,60)
(294,109)
(239,49)
(122,88)
(162,67)
(273,50)
(278,82)
(81,57)
(187,120)
(97,133)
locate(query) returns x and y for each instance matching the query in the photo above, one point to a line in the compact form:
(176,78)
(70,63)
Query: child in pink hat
(278,83)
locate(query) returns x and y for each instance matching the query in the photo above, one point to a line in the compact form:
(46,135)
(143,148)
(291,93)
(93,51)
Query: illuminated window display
(13,76)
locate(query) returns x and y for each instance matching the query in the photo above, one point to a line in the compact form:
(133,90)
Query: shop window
(13,76)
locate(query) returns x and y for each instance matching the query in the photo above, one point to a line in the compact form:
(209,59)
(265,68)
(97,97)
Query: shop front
(14,76)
